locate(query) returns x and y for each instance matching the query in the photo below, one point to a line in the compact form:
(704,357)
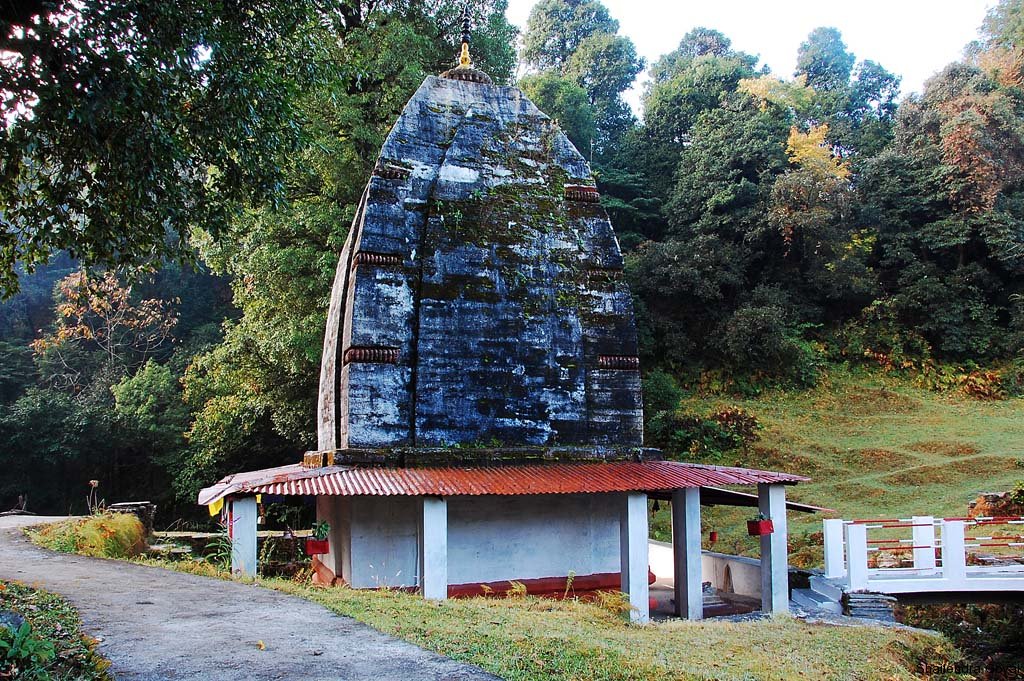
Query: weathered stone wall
(479,299)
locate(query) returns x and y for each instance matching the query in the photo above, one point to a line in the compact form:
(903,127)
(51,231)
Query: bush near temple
(106,535)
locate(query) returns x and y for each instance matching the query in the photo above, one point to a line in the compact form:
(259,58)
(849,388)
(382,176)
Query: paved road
(157,624)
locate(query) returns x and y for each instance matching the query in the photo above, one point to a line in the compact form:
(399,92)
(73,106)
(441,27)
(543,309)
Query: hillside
(874,446)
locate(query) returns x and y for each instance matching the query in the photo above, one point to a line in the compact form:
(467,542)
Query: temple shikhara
(480,413)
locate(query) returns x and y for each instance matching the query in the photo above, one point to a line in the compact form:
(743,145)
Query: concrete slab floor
(715,604)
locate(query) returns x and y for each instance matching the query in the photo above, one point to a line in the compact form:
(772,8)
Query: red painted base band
(583,586)
(546,586)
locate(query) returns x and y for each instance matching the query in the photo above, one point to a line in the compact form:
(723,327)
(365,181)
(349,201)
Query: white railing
(938,563)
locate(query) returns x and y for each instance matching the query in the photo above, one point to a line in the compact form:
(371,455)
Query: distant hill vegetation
(776,226)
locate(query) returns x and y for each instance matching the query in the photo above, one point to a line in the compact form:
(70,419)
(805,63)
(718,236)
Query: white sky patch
(911,38)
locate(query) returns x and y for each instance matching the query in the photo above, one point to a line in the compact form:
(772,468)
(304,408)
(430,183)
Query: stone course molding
(619,362)
(584,193)
(363,355)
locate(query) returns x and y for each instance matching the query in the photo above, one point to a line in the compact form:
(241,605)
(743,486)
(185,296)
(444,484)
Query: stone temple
(479,299)
(480,415)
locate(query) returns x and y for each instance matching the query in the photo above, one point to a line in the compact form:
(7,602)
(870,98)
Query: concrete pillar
(633,551)
(242,532)
(954,558)
(771,501)
(835,554)
(434,548)
(856,536)
(686,552)
(923,533)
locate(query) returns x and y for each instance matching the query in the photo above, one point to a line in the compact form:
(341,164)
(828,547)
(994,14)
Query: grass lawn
(539,639)
(53,620)
(875,447)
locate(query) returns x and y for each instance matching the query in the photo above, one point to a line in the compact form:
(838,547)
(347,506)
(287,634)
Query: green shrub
(661,393)
(24,655)
(1012,378)
(106,535)
(1017,495)
(879,338)
(703,438)
(50,644)
(972,381)
(991,636)
(761,339)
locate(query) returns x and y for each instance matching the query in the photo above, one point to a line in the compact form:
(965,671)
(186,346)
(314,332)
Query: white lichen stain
(453,173)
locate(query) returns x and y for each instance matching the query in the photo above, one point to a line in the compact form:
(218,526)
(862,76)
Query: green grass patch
(875,447)
(527,639)
(105,535)
(55,647)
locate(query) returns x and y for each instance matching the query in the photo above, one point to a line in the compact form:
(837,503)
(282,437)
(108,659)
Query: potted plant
(760,525)
(317,543)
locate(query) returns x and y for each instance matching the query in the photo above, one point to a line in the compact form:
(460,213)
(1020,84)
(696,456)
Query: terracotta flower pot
(759,528)
(316,547)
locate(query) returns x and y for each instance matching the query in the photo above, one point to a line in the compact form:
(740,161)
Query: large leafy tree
(577,40)
(566,102)
(557,28)
(692,281)
(124,124)
(760,199)
(254,395)
(856,100)
(824,59)
(948,203)
(691,79)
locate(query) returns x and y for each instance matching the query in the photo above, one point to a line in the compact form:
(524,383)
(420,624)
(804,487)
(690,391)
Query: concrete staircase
(823,595)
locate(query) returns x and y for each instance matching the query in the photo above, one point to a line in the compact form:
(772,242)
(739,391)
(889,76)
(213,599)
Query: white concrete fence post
(954,560)
(856,556)
(771,502)
(835,552)
(923,536)
(686,535)
(633,554)
(434,548)
(242,532)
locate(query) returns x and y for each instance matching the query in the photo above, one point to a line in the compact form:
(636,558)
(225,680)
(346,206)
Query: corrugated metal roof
(512,480)
(716,496)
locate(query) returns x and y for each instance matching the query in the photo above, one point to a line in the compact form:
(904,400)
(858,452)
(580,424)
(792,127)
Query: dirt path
(157,624)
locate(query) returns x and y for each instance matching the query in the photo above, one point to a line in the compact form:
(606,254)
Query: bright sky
(912,38)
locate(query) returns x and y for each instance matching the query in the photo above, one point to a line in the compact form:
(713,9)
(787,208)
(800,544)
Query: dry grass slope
(106,535)
(875,447)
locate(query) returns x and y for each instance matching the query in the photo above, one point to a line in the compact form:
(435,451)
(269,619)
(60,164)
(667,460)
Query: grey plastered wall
(489,538)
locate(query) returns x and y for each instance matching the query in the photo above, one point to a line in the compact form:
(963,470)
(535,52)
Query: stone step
(826,587)
(813,600)
(869,605)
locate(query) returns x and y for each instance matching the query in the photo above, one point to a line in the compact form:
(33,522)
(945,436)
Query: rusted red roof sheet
(512,480)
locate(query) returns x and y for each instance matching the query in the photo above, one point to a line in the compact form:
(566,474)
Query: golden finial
(464,60)
(465,70)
